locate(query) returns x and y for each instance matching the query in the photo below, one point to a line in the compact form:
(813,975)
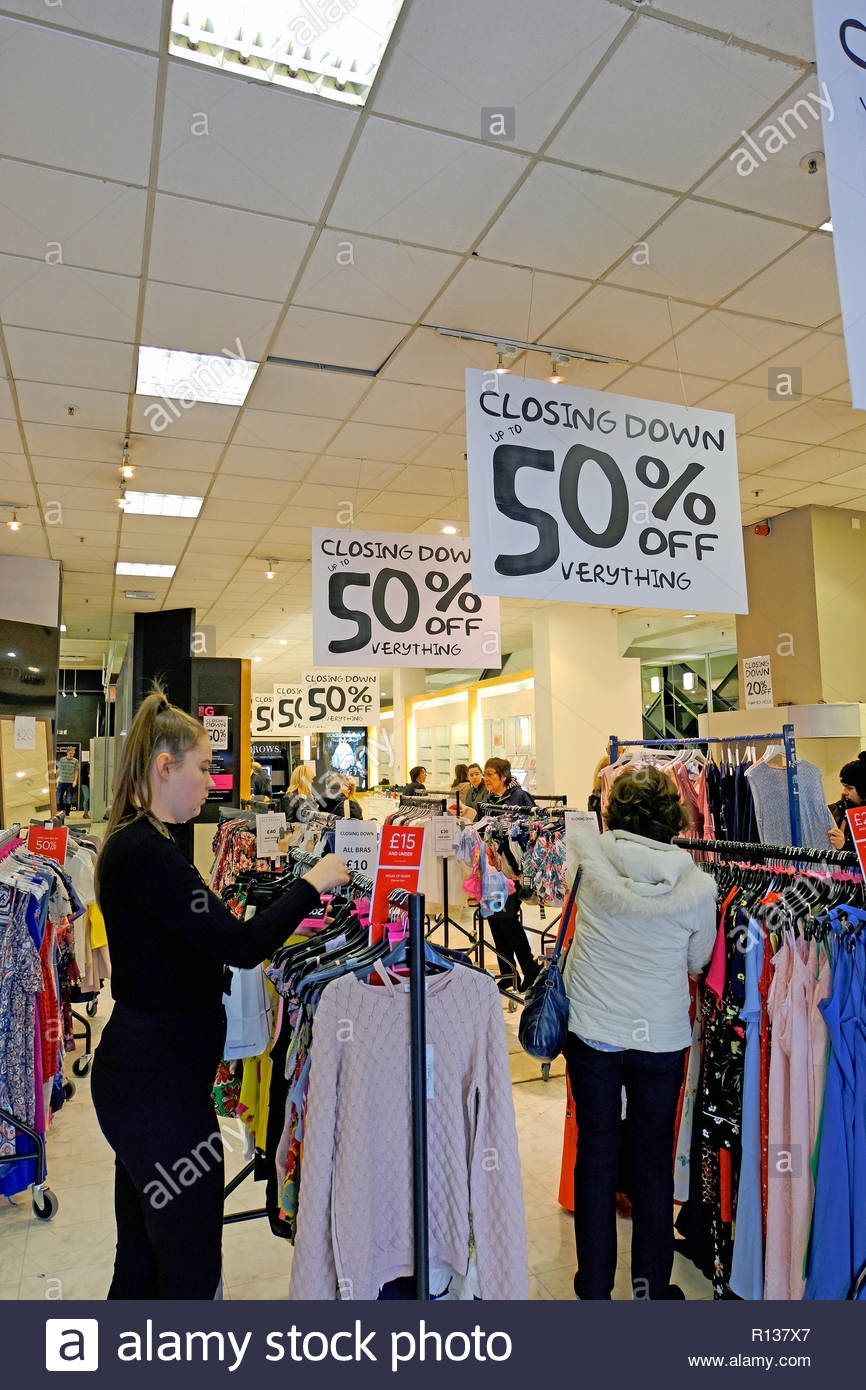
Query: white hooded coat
(646,920)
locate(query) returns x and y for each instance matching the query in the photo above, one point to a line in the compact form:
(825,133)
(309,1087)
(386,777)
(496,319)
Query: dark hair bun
(861,757)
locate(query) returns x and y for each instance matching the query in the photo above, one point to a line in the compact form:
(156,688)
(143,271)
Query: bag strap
(566,915)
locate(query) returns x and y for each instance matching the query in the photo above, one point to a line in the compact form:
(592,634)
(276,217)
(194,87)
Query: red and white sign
(400,854)
(857,822)
(51,844)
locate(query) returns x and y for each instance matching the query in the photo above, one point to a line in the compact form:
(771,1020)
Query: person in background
(511,941)
(329,794)
(85,785)
(171,940)
(477,792)
(299,796)
(461,782)
(350,787)
(260,783)
(67,780)
(853,781)
(415,785)
(646,920)
(593,802)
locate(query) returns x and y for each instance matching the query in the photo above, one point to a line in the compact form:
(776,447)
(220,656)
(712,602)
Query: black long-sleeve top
(169,936)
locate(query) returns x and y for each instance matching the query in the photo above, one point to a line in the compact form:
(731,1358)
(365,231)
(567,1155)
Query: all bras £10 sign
(587,497)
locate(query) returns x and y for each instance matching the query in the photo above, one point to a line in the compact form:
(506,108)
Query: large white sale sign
(400,600)
(840,37)
(588,497)
(332,699)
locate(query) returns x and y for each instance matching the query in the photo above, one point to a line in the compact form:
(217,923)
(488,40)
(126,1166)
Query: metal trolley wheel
(45,1203)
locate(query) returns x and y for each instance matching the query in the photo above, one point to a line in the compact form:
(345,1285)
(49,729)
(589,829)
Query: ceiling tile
(83,221)
(722,88)
(418,407)
(801,286)
(407,504)
(431,360)
(815,422)
(207,322)
(597,220)
(171,480)
(139,530)
(510,301)
(725,345)
(7,409)
(305,391)
(621,323)
(279,464)
(447,451)
(201,421)
(162,451)
(816,465)
(13,469)
(823,495)
(217,248)
(378,442)
(95,410)
(703,253)
(365,275)
(314,335)
(73,361)
(821,358)
(246,489)
(749,405)
(774,183)
(417,186)
(58,441)
(270,429)
(782,25)
(138,25)
(535,68)
(63,299)
(260,147)
(43,116)
(651,384)
(854,439)
(349,473)
(319,495)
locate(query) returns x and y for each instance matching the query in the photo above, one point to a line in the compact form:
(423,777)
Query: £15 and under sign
(587,497)
(399,600)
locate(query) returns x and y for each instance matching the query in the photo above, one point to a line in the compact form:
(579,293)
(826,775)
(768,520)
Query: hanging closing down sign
(587,497)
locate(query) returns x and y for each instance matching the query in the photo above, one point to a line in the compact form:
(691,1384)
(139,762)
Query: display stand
(436,805)
(786,736)
(418,1072)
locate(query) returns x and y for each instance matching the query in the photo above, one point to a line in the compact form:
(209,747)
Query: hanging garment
(769,786)
(747,1263)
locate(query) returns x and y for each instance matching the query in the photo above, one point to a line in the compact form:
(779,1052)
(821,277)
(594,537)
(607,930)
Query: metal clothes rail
(786,737)
(437,806)
(739,849)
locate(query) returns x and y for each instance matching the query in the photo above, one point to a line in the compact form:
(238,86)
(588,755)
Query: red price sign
(399,866)
(857,822)
(51,844)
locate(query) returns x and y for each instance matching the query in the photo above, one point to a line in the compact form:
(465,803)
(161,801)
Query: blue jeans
(652,1083)
(65,796)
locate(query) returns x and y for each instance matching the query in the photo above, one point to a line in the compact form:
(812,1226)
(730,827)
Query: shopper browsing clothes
(415,785)
(853,780)
(510,940)
(477,792)
(171,940)
(646,920)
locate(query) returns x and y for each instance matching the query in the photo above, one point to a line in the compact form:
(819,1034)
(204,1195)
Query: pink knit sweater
(355,1214)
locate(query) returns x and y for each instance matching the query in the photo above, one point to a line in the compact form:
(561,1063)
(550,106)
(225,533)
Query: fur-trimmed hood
(626,874)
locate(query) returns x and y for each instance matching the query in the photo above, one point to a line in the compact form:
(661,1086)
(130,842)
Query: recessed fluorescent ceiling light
(161,504)
(297,45)
(138,593)
(148,571)
(192,376)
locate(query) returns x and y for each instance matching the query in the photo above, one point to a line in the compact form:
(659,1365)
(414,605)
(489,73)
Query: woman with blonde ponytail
(171,940)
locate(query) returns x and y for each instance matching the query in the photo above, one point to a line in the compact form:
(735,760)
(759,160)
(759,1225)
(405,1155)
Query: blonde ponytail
(158,727)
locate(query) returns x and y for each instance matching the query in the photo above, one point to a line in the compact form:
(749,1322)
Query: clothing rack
(786,736)
(438,805)
(418,1072)
(738,849)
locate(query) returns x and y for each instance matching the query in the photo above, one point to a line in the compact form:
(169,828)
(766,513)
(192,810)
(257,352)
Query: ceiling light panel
(193,376)
(161,504)
(288,44)
(148,571)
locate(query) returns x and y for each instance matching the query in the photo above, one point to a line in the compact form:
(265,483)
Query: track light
(503,350)
(14,524)
(127,471)
(270,572)
(556,361)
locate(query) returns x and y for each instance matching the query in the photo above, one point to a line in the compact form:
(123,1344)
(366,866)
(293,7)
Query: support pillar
(584,692)
(409,682)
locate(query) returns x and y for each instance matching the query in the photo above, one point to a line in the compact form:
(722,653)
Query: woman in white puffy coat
(646,920)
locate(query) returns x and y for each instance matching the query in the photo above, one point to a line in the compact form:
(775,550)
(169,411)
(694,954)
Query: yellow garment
(96,926)
(254,1100)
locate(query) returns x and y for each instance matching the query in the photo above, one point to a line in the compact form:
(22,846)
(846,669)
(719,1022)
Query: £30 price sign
(593,498)
(399,600)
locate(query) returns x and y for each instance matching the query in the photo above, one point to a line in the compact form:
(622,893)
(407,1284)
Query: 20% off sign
(400,600)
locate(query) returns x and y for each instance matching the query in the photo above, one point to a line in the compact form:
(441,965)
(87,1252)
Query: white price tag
(758,682)
(357,842)
(588,497)
(443,835)
(583,820)
(25,733)
(269,829)
(217,726)
(399,600)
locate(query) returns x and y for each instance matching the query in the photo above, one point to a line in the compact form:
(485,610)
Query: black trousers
(151,1088)
(511,941)
(652,1083)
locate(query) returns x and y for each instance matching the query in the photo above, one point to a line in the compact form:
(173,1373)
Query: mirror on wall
(26,784)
